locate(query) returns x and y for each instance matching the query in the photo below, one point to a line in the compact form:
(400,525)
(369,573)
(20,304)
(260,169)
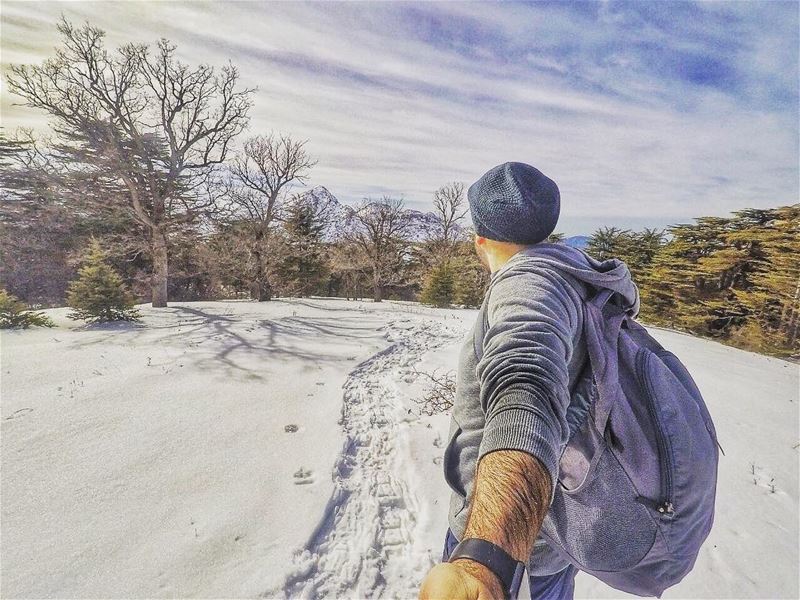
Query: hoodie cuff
(517,428)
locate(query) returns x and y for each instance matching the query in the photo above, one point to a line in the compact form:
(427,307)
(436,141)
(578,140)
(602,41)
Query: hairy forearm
(509,501)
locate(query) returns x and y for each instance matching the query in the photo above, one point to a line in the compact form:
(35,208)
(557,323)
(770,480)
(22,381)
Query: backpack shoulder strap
(602,324)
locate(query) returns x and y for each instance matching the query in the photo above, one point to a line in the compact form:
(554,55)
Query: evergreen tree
(471,277)
(668,287)
(771,301)
(99,294)
(735,278)
(731,253)
(635,249)
(305,265)
(439,285)
(229,259)
(640,249)
(607,242)
(15,314)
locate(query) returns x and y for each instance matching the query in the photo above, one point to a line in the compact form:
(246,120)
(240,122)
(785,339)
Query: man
(513,413)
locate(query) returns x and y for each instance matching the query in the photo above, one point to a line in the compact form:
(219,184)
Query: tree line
(142,157)
(735,279)
(148,171)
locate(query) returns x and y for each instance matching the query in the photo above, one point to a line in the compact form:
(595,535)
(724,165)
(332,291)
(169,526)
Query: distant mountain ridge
(423,223)
(577,241)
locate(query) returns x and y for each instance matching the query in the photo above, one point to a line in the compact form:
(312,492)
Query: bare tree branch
(141,124)
(381,230)
(268,167)
(450,209)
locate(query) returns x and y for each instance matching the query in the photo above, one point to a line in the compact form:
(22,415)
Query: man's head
(513,205)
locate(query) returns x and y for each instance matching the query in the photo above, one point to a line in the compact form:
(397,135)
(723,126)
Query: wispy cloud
(645,113)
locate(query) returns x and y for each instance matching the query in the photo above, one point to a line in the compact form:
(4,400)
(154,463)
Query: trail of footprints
(360,548)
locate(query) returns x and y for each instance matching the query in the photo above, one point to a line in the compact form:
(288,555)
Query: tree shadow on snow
(242,344)
(237,341)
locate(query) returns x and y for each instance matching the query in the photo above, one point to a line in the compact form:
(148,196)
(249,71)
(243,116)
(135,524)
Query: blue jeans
(559,586)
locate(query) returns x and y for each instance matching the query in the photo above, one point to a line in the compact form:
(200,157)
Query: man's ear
(480,241)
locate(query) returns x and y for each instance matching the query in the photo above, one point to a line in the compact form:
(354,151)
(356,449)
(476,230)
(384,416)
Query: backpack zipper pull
(664,508)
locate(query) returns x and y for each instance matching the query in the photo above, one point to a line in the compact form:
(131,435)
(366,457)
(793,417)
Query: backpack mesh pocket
(611,536)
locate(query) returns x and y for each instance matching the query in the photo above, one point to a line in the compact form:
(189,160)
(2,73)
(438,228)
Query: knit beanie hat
(514,202)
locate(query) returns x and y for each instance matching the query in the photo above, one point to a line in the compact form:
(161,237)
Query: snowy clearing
(236,449)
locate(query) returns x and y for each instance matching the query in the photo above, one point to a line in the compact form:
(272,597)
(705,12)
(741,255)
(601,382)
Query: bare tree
(442,233)
(450,210)
(147,129)
(380,229)
(263,173)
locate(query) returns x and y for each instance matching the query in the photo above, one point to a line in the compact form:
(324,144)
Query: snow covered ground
(235,449)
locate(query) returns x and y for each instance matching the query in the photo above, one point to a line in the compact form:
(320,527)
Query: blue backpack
(637,478)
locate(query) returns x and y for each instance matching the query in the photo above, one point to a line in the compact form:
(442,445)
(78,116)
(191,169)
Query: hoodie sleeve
(532,323)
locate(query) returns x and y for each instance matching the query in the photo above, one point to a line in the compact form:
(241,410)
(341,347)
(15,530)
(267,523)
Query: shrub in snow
(15,314)
(99,294)
(440,395)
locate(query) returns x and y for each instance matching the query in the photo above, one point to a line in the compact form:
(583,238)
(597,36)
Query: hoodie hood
(610,274)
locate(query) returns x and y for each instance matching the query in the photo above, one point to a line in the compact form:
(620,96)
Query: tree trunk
(260,288)
(261,291)
(264,291)
(377,288)
(158,279)
(788,314)
(793,325)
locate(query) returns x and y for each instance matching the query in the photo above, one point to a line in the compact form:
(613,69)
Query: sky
(645,114)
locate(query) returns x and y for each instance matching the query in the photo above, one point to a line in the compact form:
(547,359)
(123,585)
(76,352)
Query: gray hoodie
(519,368)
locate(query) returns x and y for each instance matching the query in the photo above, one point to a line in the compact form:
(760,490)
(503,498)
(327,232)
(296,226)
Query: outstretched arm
(524,380)
(510,498)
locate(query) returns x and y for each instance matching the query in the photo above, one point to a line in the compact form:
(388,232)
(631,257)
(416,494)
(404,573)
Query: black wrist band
(508,570)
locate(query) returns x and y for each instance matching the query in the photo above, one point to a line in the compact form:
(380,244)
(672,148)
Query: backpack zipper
(664,507)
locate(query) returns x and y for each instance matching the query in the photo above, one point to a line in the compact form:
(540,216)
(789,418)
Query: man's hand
(461,579)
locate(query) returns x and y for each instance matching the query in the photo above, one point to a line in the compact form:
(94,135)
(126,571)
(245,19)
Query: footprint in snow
(303,476)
